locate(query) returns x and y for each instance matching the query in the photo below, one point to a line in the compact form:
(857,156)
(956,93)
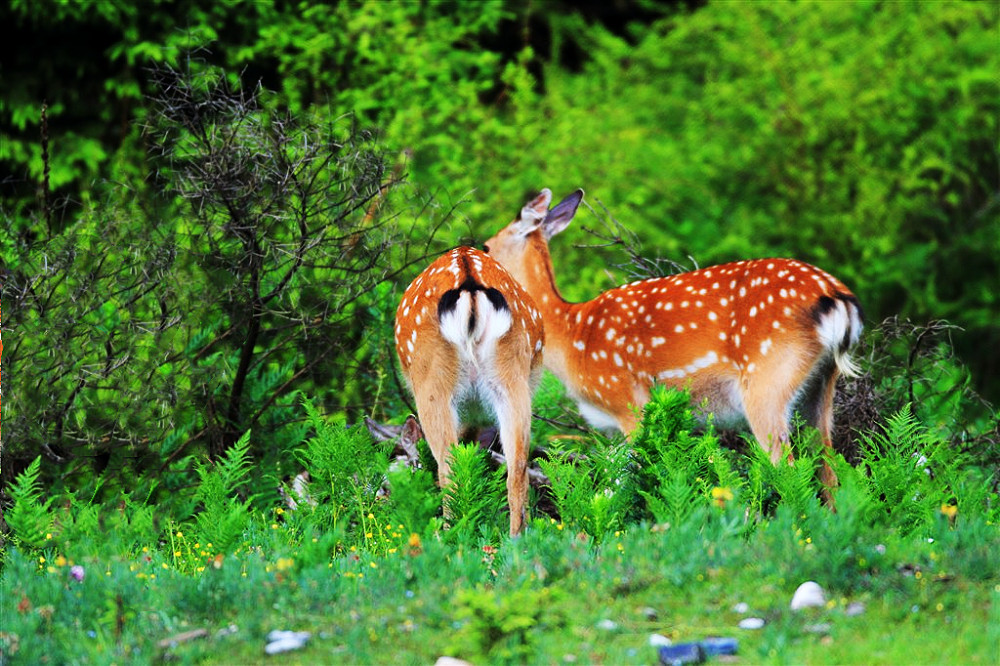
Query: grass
(539,599)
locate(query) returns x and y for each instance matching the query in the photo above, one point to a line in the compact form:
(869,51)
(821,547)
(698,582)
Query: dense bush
(184,252)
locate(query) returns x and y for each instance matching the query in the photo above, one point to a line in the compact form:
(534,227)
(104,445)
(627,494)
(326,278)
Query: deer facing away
(752,340)
(466,329)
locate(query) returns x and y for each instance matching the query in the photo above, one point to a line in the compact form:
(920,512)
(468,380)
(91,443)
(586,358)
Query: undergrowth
(670,509)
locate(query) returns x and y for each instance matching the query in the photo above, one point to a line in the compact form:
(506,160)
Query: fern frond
(29,518)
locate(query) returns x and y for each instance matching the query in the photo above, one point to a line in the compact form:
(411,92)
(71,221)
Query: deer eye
(486,248)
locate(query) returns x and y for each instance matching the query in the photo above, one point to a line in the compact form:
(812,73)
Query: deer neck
(558,314)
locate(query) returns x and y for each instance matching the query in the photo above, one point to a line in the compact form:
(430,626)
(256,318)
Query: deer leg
(768,393)
(514,416)
(820,415)
(440,425)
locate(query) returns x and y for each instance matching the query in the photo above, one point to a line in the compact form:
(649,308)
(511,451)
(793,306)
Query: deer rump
(473,317)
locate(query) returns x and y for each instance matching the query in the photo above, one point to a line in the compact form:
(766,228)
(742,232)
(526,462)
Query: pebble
(607,625)
(854,608)
(285,641)
(741,607)
(451,661)
(649,613)
(809,595)
(752,623)
(819,628)
(659,640)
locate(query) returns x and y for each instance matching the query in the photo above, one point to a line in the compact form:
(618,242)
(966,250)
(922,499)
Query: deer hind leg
(513,409)
(817,408)
(434,384)
(769,392)
(770,397)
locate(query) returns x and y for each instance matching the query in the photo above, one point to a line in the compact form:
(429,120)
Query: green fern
(415,498)
(675,500)
(910,469)
(476,495)
(347,469)
(679,461)
(593,494)
(29,517)
(223,517)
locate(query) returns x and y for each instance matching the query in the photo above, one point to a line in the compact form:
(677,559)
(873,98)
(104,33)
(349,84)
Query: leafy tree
(252,277)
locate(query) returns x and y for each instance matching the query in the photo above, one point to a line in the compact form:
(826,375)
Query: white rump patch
(491,324)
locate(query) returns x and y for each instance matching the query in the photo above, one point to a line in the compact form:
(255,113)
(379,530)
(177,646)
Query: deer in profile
(466,329)
(751,340)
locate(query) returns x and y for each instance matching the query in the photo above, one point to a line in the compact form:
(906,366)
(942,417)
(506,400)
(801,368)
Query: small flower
(48,536)
(77,572)
(720,496)
(60,561)
(414,540)
(949,510)
(284,563)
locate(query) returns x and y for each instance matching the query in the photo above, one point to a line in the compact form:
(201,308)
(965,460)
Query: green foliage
(346,469)
(901,463)
(29,516)
(159,306)
(475,497)
(679,466)
(795,482)
(222,516)
(594,493)
(416,590)
(415,498)
(500,627)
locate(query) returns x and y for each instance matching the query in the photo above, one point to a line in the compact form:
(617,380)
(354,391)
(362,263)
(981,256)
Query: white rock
(752,623)
(854,609)
(809,595)
(451,661)
(741,607)
(659,640)
(285,641)
(607,625)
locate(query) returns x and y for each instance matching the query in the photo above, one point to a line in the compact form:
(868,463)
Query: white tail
(750,339)
(466,329)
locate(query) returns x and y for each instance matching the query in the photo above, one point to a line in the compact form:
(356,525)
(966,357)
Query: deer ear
(534,211)
(560,216)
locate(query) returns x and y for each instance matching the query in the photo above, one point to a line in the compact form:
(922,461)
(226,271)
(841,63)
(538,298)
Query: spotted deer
(751,340)
(466,329)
